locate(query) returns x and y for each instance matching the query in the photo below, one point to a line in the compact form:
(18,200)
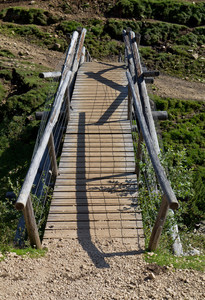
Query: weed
(163,258)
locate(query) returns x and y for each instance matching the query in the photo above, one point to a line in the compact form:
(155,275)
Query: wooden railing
(74,57)
(139,104)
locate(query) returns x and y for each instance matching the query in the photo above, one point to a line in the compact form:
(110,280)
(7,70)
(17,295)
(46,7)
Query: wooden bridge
(95,193)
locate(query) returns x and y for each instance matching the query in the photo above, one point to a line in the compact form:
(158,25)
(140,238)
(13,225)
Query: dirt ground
(164,85)
(69,272)
(172,87)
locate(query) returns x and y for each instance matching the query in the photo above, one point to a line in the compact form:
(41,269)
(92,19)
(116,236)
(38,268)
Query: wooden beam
(157,229)
(31,224)
(159,170)
(50,74)
(143,92)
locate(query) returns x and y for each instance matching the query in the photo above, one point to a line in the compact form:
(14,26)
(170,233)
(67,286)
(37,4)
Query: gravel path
(68,272)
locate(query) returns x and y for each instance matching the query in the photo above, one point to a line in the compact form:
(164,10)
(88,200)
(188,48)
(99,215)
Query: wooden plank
(106,151)
(118,188)
(94,164)
(90,201)
(96,171)
(97,182)
(88,145)
(100,233)
(98,159)
(93,177)
(116,216)
(95,225)
(92,195)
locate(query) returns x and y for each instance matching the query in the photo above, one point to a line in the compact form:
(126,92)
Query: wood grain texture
(95,194)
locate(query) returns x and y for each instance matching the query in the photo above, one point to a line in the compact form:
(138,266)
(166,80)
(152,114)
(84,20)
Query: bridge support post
(31,226)
(139,153)
(158,226)
(67,98)
(52,153)
(130,103)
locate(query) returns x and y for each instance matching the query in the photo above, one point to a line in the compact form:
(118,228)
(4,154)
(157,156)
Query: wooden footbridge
(95,191)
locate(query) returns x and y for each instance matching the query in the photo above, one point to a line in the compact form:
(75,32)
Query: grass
(18,131)
(183,139)
(35,35)
(25,252)
(185,262)
(24,15)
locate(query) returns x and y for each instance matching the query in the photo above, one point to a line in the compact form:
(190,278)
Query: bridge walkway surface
(95,194)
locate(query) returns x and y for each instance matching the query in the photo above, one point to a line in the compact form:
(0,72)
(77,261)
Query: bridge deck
(95,192)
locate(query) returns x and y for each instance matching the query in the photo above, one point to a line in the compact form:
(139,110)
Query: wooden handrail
(142,108)
(67,74)
(159,170)
(143,90)
(28,182)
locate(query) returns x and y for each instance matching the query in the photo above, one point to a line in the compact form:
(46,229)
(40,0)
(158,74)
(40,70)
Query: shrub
(68,26)
(23,15)
(186,13)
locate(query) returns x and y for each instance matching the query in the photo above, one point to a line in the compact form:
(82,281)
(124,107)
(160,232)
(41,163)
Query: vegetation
(185,129)
(18,130)
(190,14)
(183,160)
(185,262)
(24,252)
(35,35)
(23,15)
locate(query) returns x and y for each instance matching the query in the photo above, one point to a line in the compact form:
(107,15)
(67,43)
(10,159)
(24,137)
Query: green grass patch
(18,131)
(6,53)
(35,35)
(185,130)
(2,92)
(180,12)
(22,15)
(185,262)
(24,252)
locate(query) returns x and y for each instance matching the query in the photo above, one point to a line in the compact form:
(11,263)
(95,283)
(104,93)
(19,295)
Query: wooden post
(88,57)
(159,170)
(52,153)
(158,226)
(67,98)
(50,74)
(129,109)
(139,154)
(138,38)
(31,224)
(82,58)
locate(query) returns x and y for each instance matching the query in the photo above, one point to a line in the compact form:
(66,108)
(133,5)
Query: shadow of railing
(114,85)
(84,235)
